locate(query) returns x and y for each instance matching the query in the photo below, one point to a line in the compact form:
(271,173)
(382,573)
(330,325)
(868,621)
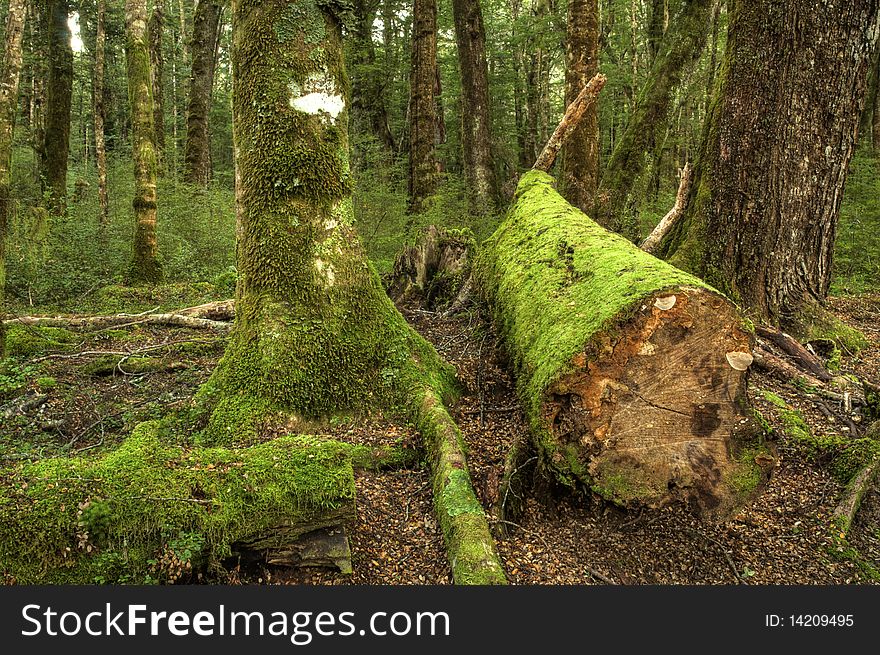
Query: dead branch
(669,221)
(781,369)
(803,357)
(22,405)
(573,114)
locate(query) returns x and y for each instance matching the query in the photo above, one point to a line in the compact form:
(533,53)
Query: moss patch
(25,341)
(69,520)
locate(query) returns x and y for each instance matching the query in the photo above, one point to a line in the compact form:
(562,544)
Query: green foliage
(857,249)
(25,341)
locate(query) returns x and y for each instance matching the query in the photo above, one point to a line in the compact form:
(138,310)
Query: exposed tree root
(471,550)
(845,512)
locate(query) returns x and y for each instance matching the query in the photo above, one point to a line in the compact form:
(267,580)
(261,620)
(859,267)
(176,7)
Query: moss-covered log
(632,372)
(131,514)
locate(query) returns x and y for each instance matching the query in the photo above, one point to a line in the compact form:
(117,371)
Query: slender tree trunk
(157,66)
(145,266)
(476,131)
(681,47)
(525,155)
(761,217)
(38,21)
(580,156)
(875,113)
(59,97)
(197,155)
(9,76)
(98,111)
(423,168)
(369,113)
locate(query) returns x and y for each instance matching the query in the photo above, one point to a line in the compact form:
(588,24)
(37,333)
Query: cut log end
(649,412)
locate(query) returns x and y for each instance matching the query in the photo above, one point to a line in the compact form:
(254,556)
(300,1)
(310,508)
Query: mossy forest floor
(87,404)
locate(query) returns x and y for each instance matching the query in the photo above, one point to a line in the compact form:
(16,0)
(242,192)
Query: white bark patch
(317,96)
(326,270)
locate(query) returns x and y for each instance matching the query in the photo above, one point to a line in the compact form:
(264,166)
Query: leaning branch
(576,109)
(669,221)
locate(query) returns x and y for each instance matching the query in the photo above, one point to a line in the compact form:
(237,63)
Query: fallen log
(111,519)
(632,372)
(790,346)
(97,323)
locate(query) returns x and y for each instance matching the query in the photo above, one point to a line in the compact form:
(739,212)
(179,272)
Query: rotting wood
(573,114)
(631,372)
(673,216)
(790,346)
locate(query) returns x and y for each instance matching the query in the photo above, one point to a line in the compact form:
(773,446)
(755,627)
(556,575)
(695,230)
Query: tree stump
(632,372)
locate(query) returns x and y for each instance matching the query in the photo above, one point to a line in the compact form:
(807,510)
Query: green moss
(548,309)
(64,520)
(27,341)
(843,456)
(815,322)
(115,365)
(46,383)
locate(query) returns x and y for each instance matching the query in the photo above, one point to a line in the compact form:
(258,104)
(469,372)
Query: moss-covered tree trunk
(98,111)
(369,113)
(579,176)
(762,213)
(680,47)
(632,372)
(423,167)
(197,152)
(157,68)
(145,266)
(9,76)
(315,334)
(476,130)
(59,96)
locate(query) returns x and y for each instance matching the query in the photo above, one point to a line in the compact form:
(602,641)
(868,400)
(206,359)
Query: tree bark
(574,114)
(680,48)
(145,267)
(423,167)
(579,176)
(762,214)
(632,372)
(476,129)
(657,26)
(59,98)
(369,113)
(39,72)
(157,67)
(197,155)
(98,111)
(9,77)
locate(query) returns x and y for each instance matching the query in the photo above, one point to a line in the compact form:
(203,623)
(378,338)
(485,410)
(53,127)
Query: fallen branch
(790,346)
(845,512)
(98,323)
(669,221)
(566,126)
(781,369)
(22,405)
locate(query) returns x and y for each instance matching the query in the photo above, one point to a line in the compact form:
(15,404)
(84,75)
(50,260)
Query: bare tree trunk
(59,96)
(157,66)
(38,21)
(145,266)
(369,115)
(9,76)
(476,132)
(762,213)
(423,168)
(526,157)
(197,156)
(98,112)
(580,157)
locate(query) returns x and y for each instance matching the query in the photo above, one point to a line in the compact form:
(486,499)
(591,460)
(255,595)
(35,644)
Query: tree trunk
(875,113)
(98,112)
(776,148)
(38,21)
(369,114)
(145,266)
(632,372)
(59,97)
(197,155)
(315,334)
(526,156)
(157,67)
(423,168)
(9,75)
(656,26)
(476,132)
(579,176)
(681,47)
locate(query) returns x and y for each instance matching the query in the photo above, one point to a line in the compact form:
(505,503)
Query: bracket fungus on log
(632,372)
